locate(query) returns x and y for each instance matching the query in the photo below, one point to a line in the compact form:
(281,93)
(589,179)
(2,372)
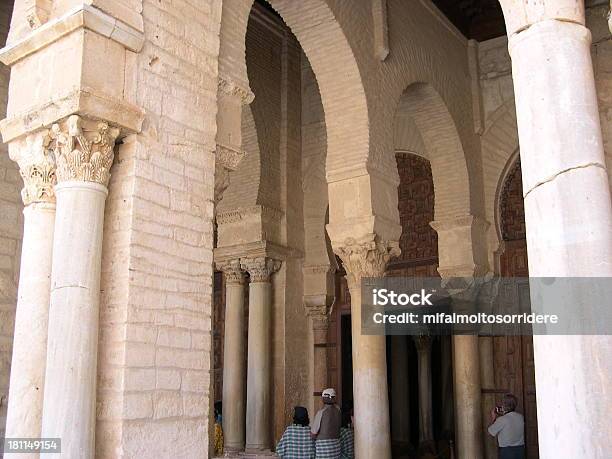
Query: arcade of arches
(191,193)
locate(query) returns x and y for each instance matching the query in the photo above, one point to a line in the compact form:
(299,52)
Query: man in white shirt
(509,428)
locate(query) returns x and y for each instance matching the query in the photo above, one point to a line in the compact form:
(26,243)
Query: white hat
(329,393)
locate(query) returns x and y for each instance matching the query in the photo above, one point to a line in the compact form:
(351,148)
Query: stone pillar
(84,154)
(400,401)
(487,379)
(568,213)
(234,346)
(320,326)
(462,249)
(426,438)
(259,365)
(446,357)
(37,168)
(368,257)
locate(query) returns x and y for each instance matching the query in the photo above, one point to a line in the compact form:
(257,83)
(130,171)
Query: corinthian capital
(36,166)
(83,153)
(260,268)
(234,274)
(365,257)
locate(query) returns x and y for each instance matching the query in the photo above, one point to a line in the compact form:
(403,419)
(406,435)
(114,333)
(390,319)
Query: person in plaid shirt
(296,442)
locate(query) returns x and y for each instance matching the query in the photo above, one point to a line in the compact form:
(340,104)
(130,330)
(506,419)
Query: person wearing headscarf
(325,427)
(296,442)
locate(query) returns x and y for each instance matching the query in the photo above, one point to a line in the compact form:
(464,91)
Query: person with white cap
(325,428)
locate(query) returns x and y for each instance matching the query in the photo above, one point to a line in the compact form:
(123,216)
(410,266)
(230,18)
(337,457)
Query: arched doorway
(514,362)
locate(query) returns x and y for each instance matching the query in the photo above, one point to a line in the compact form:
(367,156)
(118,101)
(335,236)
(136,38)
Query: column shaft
(26,388)
(487,379)
(400,401)
(467,397)
(259,367)
(319,330)
(426,437)
(371,404)
(568,215)
(72,349)
(234,370)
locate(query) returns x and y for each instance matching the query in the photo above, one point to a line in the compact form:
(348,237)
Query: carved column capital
(232,270)
(83,150)
(36,167)
(365,257)
(260,268)
(227,159)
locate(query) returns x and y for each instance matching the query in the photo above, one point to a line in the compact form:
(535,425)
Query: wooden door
(514,363)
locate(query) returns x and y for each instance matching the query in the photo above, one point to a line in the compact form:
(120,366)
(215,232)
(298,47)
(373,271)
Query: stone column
(259,365)
(462,249)
(368,257)
(568,213)
(320,326)
(446,357)
(487,379)
(234,369)
(426,438)
(84,154)
(400,401)
(37,168)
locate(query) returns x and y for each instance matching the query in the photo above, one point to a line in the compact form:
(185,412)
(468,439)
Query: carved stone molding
(231,88)
(236,215)
(260,268)
(83,155)
(234,274)
(365,257)
(229,157)
(36,167)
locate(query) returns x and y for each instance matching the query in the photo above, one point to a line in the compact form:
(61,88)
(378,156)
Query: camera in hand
(499,410)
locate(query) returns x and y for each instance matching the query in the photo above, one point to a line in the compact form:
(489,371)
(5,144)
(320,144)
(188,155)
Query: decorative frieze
(260,268)
(365,257)
(231,88)
(36,167)
(83,155)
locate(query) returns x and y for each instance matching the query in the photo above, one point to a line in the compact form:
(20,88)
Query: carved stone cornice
(36,167)
(83,155)
(260,268)
(232,270)
(365,257)
(229,87)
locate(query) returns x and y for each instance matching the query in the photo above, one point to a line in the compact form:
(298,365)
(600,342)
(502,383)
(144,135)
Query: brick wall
(11,227)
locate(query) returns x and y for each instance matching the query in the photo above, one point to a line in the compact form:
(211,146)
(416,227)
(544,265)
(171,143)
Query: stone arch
(441,146)
(327,48)
(500,146)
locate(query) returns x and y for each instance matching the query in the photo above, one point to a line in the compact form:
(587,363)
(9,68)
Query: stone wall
(154,357)
(11,226)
